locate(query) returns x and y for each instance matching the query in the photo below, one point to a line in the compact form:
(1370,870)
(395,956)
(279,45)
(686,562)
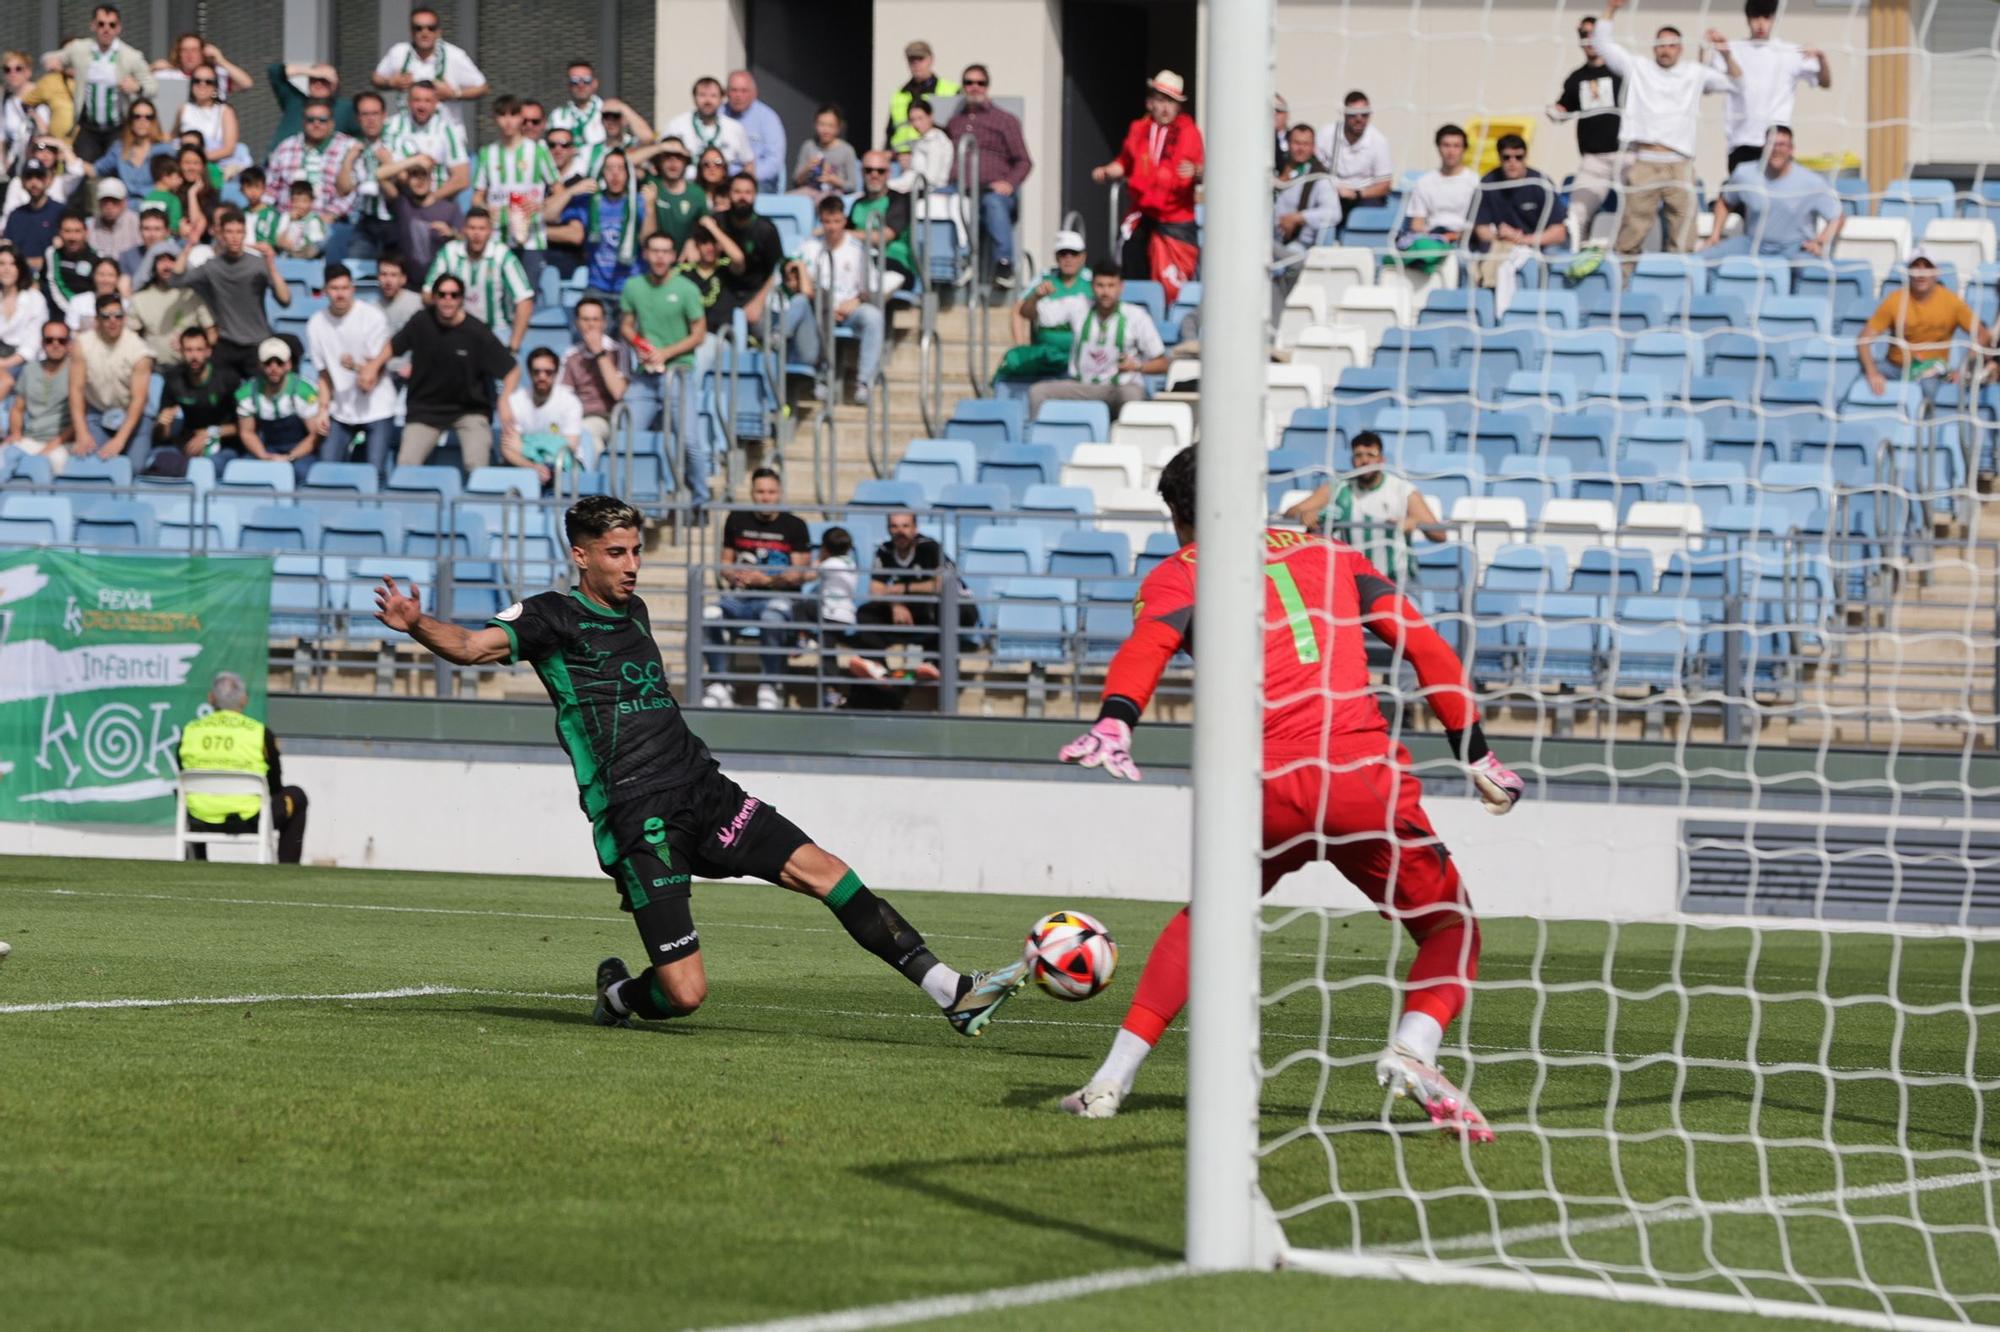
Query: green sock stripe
(658,996)
(844,891)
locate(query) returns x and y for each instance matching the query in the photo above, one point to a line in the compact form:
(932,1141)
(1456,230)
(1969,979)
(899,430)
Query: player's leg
(638,849)
(1162,991)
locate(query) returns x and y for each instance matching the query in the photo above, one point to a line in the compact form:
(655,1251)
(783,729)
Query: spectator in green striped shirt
(301,233)
(277,412)
(513,178)
(260,215)
(107,73)
(495,283)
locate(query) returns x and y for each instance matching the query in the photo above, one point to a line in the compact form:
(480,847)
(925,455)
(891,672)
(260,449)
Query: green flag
(102,659)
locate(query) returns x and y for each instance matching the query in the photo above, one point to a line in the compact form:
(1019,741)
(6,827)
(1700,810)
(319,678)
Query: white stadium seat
(1376,310)
(1577,525)
(1964,242)
(1662,530)
(1105,469)
(1332,269)
(1304,307)
(1883,242)
(1490,522)
(1331,348)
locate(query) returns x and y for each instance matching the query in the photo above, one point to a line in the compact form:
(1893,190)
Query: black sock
(642,997)
(875,925)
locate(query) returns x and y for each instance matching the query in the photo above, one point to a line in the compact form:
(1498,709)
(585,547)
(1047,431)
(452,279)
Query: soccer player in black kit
(660,809)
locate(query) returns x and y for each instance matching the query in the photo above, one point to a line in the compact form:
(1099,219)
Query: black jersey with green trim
(615,716)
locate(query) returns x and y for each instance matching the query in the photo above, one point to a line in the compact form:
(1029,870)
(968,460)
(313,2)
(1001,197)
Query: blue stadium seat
(257,475)
(1307,430)
(1361,391)
(348,529)
(1540,386)
(1708,313)
(977,495)
(216,525)
(1084,554)
(1106,611)
(1754,281)
(1749,444)
(1709,486)
(347,478)
(989,421)
(465,537)
(1920,201)
(1288,469)
(1627,483)
(1584,357)
(520,481)
(1526,567)
(1654,641)
(1446,566)
(1370,225)
(1497,354)
(1036,617)
(1794,316)
(1424,429)
(1415,351)
(1627,312)
(97,472)
(1583,439)
(1669,443)
(1447,476)
(1542,308)
(792,215)
(426,479)
(1464,306)
(1497,435)
(1671,357)
(1744,359)
(115,523)
(305,592)
(1186,302)
(276,527)
(1846,458)
(1561,643)
(934,464)
(1837,282)
(883,493)
(1671,279)
(1056,510)
(1612,571)
(1149,294)
(997,553)
(1018,466)
(1701,575)
(1160,546)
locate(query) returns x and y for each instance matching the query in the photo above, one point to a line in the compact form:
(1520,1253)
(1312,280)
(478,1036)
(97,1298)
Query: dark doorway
(1110,49)
(808,52)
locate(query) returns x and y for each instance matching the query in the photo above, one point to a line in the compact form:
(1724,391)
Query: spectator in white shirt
(1113,347)
(428,58)
(704,126)
(547,431)
(1444,201)
(837,262)
(1357,154)
(1765,91)
(1662,104)
(342,340)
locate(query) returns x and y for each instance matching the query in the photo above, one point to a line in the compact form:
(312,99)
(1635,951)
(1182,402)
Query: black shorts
(653,846)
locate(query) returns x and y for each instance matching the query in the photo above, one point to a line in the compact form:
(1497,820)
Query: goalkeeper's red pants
(1361,810)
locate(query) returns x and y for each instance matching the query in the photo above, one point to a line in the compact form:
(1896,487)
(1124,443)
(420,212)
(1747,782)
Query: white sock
(611,997)
(941,984)
(1420,1034)
(1121,1066)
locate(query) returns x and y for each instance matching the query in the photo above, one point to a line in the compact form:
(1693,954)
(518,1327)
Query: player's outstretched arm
(1162,615)
(460,646)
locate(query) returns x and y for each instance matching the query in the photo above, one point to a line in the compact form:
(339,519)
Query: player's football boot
(1450,1109)
(1099,1100)
(984,993)
(609,972)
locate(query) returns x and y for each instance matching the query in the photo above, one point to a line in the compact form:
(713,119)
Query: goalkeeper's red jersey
(1318,597)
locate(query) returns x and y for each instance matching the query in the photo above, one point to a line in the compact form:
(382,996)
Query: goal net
(1731,610)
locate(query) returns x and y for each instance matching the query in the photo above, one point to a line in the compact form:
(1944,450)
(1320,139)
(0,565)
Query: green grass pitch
(817,1139)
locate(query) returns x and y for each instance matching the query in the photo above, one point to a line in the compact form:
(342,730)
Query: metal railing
(978,340)
(930,352)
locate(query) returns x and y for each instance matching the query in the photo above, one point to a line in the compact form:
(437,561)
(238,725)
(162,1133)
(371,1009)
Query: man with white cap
(1161,165)
(114,230)
(1044,321)
(1920,318)
(277,412)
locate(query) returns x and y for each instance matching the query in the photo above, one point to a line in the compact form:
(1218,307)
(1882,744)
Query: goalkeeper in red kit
(1338,787)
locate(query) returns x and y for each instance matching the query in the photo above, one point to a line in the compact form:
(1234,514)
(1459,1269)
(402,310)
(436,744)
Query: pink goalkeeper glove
(1107,745)
(1498,785)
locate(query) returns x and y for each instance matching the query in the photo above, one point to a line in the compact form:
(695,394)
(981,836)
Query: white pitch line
(231,1000)
(1692,1212)
(973,1302)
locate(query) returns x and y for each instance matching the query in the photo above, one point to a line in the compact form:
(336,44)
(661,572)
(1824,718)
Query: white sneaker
(717,695)
(1405,1075)
(1099,1100)
(767,698)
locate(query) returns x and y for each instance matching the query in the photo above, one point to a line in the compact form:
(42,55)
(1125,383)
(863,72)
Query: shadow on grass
(1045,1096)
(923,1177)
(576,1017)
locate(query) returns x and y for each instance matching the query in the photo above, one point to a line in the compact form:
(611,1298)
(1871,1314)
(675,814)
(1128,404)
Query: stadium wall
(977,806)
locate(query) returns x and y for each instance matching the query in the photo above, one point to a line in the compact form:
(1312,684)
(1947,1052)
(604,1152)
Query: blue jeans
(996,219)
(1734,247)
(802,331)
(774,619)
(647,396)
(377,437)
(101,424)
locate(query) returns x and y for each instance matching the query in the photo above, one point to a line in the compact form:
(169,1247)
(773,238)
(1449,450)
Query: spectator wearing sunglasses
(583,114)
(454,362)
(131,158)
(313,156)
(1517,209)
(1004,165)
(428,58)
(1357,154)
(296,84)
(278,414)
(39,421)
(108,74)
(108,397)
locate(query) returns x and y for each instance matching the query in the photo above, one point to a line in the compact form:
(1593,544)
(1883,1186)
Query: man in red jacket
(1161,161)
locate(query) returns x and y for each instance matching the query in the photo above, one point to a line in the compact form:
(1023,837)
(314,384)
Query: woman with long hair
(191,53)
(106,280)
(206,114)
(711,172)
(23,311)
(199,199)
(140,140)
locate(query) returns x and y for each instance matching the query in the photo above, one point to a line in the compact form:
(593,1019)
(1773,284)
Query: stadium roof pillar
(1889,38)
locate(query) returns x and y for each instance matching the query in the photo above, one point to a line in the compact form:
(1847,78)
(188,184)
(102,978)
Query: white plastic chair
(1376,310)
(1883,242)
(1304,307)
(1149,424)
(200,782)
(1333,269)
(1576,526)
(1495,521)
(1330,349)
(1139,513)
(1660,529)
(1963,242)
(1104,469)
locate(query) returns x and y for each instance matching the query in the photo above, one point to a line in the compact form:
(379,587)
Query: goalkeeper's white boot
(1405,1075)
(1099,1100)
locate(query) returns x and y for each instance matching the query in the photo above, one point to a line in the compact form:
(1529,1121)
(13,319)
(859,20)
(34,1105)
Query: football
(1071,955)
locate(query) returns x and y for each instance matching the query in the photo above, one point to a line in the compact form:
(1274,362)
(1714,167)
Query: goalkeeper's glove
(1107,745)
(1499,786)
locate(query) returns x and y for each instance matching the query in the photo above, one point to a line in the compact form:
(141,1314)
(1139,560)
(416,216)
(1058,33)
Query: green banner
(102,659)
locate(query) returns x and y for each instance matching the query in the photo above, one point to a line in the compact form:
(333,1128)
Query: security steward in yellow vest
(227,741)
(897,135)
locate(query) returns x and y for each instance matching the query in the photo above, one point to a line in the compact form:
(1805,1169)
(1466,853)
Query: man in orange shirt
(1161,163)
(1920,320)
